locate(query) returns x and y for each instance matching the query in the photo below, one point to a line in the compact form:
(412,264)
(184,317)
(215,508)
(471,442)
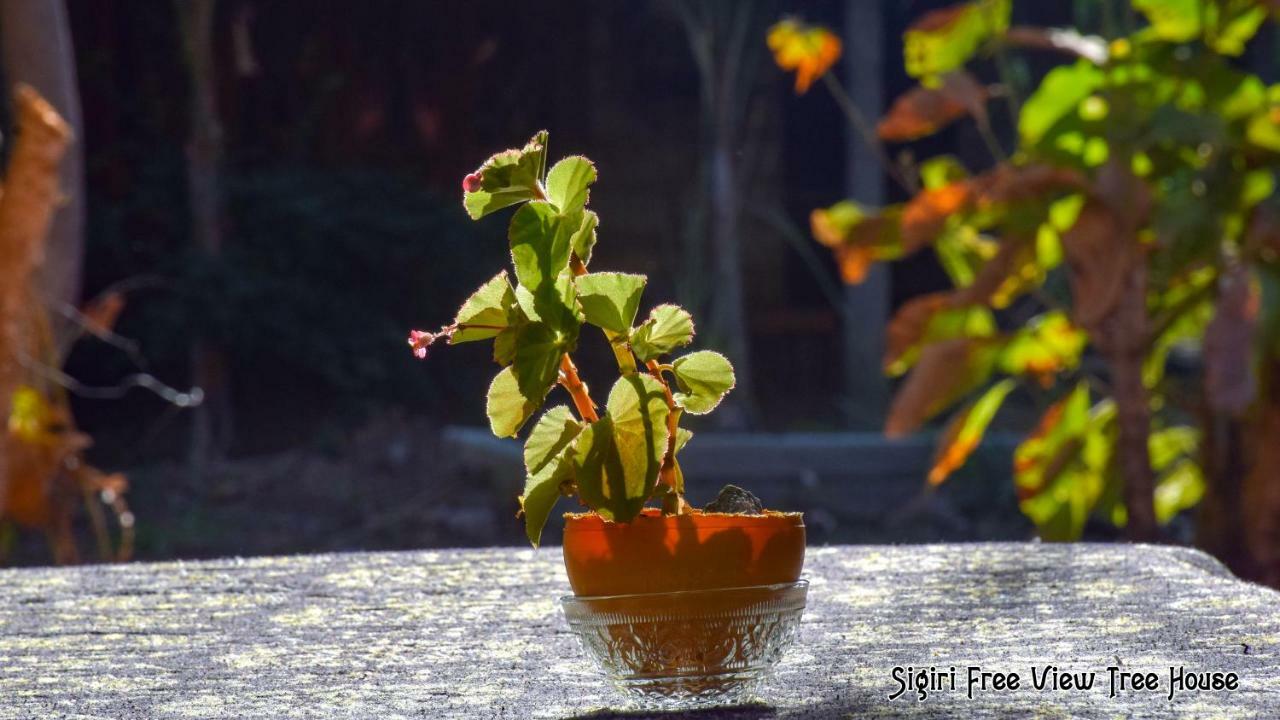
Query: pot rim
(801,584)
(594,522)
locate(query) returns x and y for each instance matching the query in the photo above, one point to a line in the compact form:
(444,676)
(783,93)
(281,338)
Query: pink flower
(420,340)
(471,183)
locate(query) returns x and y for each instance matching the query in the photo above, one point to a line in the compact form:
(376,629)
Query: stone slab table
(478,633)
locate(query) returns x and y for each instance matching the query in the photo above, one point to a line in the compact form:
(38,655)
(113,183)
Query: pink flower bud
(420,341)
(471,183)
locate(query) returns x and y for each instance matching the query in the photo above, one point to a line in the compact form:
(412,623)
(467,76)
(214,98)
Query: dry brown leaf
(908,325)
(923,111)
(1230,380)
(1005,184)
(1099,255)
(945,371)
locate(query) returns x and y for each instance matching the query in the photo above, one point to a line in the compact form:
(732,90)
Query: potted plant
(674,601)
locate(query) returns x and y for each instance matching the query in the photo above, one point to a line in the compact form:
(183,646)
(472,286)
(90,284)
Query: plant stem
(667,476)
(868,133)
(577,389)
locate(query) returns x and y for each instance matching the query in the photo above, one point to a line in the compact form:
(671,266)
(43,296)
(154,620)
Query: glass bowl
(682,649)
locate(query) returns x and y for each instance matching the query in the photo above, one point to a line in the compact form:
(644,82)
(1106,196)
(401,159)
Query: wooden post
(36,39)
(866,306)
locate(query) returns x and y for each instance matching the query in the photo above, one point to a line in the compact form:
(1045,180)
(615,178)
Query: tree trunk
(37,51)
(866,305)
(1125,348)
(212,424)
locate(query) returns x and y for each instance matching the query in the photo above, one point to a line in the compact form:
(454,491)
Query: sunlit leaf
(944,40)
(1172,20)
(704,378)
(489,311)
(541,491)
(965,431)
(808,50)
(617,459)
(1059,94)
(667,328)
(551,435)
(507,406)
(940,171)
(1047,345)
(541,242)
(1179,481)
(610,299)
(925,216)
(507,178)
(927,319)
(568,183)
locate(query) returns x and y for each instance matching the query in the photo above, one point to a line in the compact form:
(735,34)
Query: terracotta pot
(700,551)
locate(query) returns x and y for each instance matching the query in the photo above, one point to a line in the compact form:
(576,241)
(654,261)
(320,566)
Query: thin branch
(190,398)
(868,133)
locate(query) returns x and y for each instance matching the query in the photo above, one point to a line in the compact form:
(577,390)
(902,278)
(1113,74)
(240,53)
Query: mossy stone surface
(479,633)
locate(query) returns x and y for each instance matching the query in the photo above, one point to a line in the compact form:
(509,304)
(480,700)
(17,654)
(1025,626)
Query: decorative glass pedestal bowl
(688,649)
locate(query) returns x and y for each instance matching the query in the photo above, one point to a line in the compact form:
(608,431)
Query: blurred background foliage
(344,132)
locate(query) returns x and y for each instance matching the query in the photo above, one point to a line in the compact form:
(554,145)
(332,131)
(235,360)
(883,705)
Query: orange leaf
(809,50)
(854,261)
(100,315)
(923,111)
(925,216)
(965,431)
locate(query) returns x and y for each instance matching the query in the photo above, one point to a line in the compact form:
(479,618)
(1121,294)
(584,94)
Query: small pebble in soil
(733,499)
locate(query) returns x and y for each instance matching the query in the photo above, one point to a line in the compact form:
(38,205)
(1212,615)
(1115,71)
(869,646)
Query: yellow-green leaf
(667,328)
(610,299)
(965,431)
(704,378)
(568,183)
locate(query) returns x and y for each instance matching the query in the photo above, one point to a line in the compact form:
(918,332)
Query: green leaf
(553,434)
(1172,20)
(617,459)
(507,406)
(1058,96)
(553,303)
(941,171)
(504,346)
(568,181)
(507,178)
(541,491)
(539,348)
(962,252)
(540,243)
(682,438)
(610,299)
(1179,480)
(668,327)
(583,240)
(1048,344)
(965,431)
(704,377)
(488,311)
(1237,27)
(945,39)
